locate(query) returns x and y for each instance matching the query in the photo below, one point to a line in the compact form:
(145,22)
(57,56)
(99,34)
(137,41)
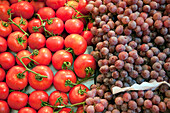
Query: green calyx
(69,83)
(35,52)
(20,75)
(66,65)
(50,21)
(89,70)
(5,24)
(81,91)
(20,40)
(22,21)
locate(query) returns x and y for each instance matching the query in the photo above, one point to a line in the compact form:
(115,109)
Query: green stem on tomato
(84,79)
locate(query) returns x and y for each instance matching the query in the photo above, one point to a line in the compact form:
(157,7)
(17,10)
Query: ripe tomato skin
(2,74)
(13,41)
(4,91)
(45,109)
(4,108)
(80,109)
(17,100)
(23,53)
(36,41)
(27,110)
(60,79)
(90,25)
(74,26)
(37,5)
(13,1)
(44,57)
(68,13)
(65,110)
(73,3)
(4,2)
(75,96)
(55,43)
(55,4)
(5,29)
(35,23)
(46,13)
(56,27)
(76,42)
(12,79)
(3,44)
(23,25)
(3,12)
(36,97)
(81,6)
(60,57)
(87,35)
(45,83)
(7,60)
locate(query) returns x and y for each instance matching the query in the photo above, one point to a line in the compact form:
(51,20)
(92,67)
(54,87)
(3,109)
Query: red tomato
(23,53)
(90,25)
(55,43)
(60,80)
(54,96)
(7,60)
(36,97)
(55,26)
(16,42)
(35,23)
(55,4)
(3,12)
(5,29)
(80,109)
(45,109)
(17,100)
(44,57)
(37,5)
(65,110)
(40,83)
(4,2)
(87,35)
(13,1)
(46,13)
(74,26)
(81,6)
(36,41)
(82,19)
(15,80)
(2,74)
(23,24)
(78,94)
(68,13)
(3,44)
(76,42)
(60,57)
(27,110)
(73,3)
(4,91)
(4,108)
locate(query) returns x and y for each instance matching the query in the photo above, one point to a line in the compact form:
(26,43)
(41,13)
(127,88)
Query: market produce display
(43,46)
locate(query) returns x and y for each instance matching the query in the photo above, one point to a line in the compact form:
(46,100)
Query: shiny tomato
(4,108)
(17,100)
(90,25)
(20,21)
(13,1)
(74,26)
(65,110)
(55,26)
(61,57)
(16,42)
(45,109)
(44,57)
(55,43)
(3,44)
(78,94)
(62,78)
(55,4)
(36,41)
(73,4)
(27,110)
(4,91)
(81,19)
(81,6)
(87,35)
(76,42)
(40,83)
(80,109)
(23,53)
(36,97)
(2,74)
(2,2)
(3,12)
(37,5)
(15,79)
(5,29)
(33,24)
(7,60)
(46,13)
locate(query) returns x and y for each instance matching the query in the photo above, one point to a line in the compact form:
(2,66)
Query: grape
(154,74)
(149,53)
(124,107)
(155,109)
(90,109)
(113,9)
(130,60)
(110,107)
(115,111)
(98,3)
(148,104)
(132,24)
(145,74)
(104,102)
(108,112)
(146,8)
(133,44)
(90,94)
(139,21)
(122,4)
(123,55)
(157,16)
(133,54)
(168,104)
(134,95)
(156,99)
(167,93)
(119,64)
(115,74)
(125,20)
(89,101)
(108,95)
(120,10)
(149,94)
(126,97)
(128,67)
(119,29)
(167,66)
(144,26)
(158,24)
(134,74)
(89,7)
(119,83)
(140,93)
(100,92)
(157,66)
(144,47)
(113,40)
(139,61)
(102,8)
(132,105)
(140,101)
(127,11)
(118,100)
(99,107)
(162,106)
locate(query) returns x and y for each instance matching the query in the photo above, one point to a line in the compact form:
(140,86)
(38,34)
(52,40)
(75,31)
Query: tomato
(35,23)
(65,110)
(46,13)
(80,109)
(16,42)
(7,60)
(13,1)
(15,80)
(36,97)
(68,13)
(27,110)
(4,108)
(81,19)
(87,35)
(55,4)
(5,29)
(73,3)
(36,41)
(76,42)
(3,12)
(56,95)
(61,78)
(90,25)
(4,91)
(20,21)
(74,26)
(45,109)
(60,57)
(4,2)
(2,74)
(23,53)
(55,26)
(55,43)
(17,100)
(37,5)
(44,57)
(3,44)
(40,83)
(81,6)
(78,94)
